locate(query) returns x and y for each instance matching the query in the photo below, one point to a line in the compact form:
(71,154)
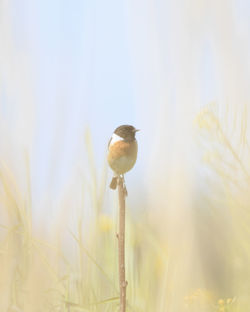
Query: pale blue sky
(80,67)
(99,64)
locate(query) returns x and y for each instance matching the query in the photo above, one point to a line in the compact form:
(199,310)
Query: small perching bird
(122,152)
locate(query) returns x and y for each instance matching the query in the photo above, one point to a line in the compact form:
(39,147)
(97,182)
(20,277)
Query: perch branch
(122,192)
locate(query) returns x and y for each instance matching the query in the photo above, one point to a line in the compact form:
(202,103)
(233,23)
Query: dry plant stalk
(122,192)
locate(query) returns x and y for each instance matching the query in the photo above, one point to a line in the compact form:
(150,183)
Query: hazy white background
(74,69)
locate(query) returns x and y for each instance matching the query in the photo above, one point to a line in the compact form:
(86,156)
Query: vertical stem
(121,244)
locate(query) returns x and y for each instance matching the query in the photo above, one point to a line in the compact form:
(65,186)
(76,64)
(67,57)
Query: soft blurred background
(70,73)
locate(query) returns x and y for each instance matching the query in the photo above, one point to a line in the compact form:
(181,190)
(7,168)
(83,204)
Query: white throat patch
(115,138)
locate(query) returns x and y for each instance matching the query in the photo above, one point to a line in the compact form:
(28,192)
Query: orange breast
(122,156)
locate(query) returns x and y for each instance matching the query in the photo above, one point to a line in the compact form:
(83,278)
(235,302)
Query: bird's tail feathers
(113,183)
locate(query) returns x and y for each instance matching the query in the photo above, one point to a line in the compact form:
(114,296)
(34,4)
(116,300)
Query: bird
(122,152)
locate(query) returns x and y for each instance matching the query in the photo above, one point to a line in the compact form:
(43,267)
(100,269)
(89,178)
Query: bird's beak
(136,130)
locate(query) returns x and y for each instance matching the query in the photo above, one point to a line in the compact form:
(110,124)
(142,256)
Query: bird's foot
(125,192)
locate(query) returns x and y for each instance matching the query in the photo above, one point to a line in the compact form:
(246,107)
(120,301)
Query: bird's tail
(113,183)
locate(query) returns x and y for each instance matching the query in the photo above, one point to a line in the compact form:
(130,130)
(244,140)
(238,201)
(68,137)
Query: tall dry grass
(76,268)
